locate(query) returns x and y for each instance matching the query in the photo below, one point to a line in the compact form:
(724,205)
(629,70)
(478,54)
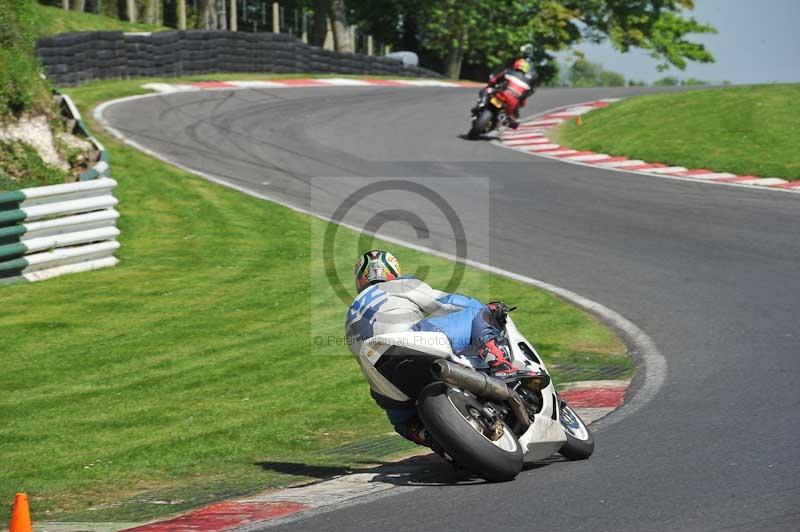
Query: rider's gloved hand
(499,311)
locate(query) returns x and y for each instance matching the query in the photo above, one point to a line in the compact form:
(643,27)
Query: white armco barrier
(70,224)
(60,229)
(68,192)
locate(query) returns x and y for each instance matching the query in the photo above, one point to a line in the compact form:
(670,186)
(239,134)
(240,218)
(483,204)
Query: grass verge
(21,167)
(743,130)
(53,20)
(183,376)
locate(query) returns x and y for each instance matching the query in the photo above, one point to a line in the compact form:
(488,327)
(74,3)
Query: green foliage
(667,43)
(54,20)
(743,130)
(21,167)
(666,81)
(21,87)
(694,81)
(582,73)
(491,32)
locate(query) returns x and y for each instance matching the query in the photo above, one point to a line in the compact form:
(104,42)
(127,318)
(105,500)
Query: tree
(490,33)
(694,81)
(79,5)
(207,16)
(319,26)
(341,31)
(611,79)
(582,73)
(130,8)
(150,12)
(181,14)
(666,81)
(654,25)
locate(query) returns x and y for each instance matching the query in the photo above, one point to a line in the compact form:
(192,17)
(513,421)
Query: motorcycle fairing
(546,435)
(412,343)
(543,438)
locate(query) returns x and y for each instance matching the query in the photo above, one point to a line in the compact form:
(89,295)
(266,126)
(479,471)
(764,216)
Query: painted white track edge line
(655,365)
(499,143)
(652,376)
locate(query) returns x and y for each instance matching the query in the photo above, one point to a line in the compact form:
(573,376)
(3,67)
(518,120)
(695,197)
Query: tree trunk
(206,16)
(79,5)
(150,12)
(65,5)
(181,14)
(234,26)
(320,25)
(131,10)
(222,15)
(341,32)
(455,55)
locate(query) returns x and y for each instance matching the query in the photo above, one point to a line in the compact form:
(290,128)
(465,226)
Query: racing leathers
(514,87)
(408,304)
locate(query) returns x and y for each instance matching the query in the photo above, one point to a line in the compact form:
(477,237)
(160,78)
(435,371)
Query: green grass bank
(752,130)
(53,20)
(188,373)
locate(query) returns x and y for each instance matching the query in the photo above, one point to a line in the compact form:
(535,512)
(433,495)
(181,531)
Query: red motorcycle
(489,113)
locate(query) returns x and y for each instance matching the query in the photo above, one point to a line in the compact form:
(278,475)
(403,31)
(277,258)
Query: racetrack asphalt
(710,273)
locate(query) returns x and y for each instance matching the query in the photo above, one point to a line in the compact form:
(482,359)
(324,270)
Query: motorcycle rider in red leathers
(513,85)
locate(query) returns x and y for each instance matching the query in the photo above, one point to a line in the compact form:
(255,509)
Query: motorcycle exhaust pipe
(481,385)
(472,381)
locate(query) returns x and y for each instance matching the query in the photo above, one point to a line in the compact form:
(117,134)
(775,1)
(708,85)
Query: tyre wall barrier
(73,58)
(57,229)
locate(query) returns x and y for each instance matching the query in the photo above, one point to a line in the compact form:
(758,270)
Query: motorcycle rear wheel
(481,124)
(454,419)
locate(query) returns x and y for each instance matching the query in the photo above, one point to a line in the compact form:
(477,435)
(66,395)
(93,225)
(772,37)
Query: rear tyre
(456,421)
(480,124)
(580,442)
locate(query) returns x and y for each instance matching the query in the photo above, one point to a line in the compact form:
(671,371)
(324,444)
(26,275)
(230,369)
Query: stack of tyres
(166,53)
(261,55)
(195,53)
(283,56)
(50,56)
(303,58)
(72,58)
(137,56)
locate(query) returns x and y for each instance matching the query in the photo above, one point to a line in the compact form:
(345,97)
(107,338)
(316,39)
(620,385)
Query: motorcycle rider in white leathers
(388,302)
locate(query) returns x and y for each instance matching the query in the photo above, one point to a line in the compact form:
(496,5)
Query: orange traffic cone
(578,120)
(20,515)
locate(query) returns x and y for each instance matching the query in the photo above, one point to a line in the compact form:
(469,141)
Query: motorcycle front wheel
(580,442)
(480,124)
(457,422)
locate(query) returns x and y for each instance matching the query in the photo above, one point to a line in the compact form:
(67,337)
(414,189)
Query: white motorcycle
(488,426)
